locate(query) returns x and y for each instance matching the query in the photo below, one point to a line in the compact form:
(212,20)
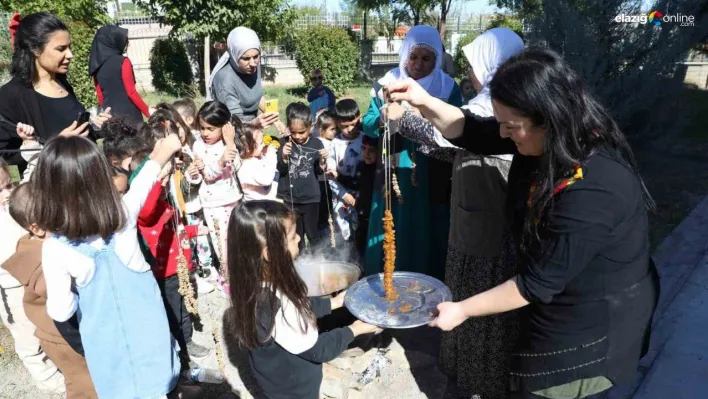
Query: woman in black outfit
(38,93)
(578,210)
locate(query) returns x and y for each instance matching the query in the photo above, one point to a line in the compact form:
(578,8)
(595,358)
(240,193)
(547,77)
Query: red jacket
(156,224)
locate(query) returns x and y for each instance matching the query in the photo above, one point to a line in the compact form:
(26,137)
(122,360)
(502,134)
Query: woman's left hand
(101,118)
(395,111)
(450,315)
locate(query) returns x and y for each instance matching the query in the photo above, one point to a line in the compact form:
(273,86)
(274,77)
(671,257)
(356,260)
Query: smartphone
(271,106)
(83,118)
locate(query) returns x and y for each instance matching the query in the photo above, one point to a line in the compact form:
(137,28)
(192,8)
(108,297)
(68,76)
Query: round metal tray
(327,277)
(416,305)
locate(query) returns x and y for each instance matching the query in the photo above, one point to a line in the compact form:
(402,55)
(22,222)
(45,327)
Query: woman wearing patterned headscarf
(422,220)
(236,79)
(113,75)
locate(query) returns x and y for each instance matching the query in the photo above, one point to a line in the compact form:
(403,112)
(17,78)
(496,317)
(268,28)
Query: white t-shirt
(64,266)
(259,177)
(219,187)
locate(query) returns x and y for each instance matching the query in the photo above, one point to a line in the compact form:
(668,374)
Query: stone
(332,388)
(355,394)
(342,363)
(352,352)
(397,355)
(362,362)
(329,371)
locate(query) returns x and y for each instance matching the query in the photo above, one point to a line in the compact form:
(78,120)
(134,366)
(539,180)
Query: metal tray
(416,305)
(327,277)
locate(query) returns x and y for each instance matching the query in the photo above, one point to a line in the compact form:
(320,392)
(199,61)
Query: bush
(170,67)
(81,38)
(506,21)
(331,50)
(462,66)
(5,59)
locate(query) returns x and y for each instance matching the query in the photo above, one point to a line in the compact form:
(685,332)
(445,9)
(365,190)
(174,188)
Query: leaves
(170,67)
(91,12)
(270,18)
(330,49)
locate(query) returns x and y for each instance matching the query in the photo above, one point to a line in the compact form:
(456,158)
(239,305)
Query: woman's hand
(338,301)
(26,132)
(281,128)
(101,118)
(75,130)
(450,315)
(408,90)
(228,132)
(265,120)
(361,328)
(395,111)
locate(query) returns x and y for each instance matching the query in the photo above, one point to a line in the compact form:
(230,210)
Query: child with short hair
(467,89)
(301,158)
(187,109)
(92,261)
(345,161)
(26,266)
(327,127)
(270,312)
(259,166)
(43,371)
(220,190)
(320,96)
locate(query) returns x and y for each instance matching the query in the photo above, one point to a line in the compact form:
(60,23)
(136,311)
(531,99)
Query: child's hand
(198,163)
(287,150)
(349,200)
(26,132)
(202,230)
(192,170)
(230,155)
(338,301)
(323,153)
(229,134)
(172,142)
(361,328)
(332,172)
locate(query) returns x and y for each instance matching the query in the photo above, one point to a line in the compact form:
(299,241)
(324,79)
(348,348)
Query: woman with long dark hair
(38,93)
(578,210)
(113,75)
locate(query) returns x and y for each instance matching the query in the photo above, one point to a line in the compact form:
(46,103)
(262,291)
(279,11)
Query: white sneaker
(55,383)
(203,286)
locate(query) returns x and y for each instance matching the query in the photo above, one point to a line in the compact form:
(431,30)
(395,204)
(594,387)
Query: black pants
(177,316)
(306,216)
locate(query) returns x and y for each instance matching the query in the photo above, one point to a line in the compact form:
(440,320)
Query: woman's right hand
(408,90)
(361,328)
(265,120)
(76,130)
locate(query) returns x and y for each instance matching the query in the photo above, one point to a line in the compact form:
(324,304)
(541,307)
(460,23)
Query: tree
(629,66)
(216,18)
(331,50)
(90,12)
(445,6)
(507,21)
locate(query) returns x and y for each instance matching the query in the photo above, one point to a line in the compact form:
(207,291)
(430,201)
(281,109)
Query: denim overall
(130,352)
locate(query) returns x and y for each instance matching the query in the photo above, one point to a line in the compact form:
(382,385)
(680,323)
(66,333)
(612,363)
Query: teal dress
(421,225)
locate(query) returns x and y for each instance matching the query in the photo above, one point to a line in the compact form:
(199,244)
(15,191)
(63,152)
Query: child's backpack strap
(84,248)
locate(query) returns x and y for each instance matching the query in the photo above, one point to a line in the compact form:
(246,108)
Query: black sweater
(301,172)
(593,292)
(284,375)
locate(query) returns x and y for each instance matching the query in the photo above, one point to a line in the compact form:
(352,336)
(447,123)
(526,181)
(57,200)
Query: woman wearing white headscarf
(422,220)
(480,253)
(236,78)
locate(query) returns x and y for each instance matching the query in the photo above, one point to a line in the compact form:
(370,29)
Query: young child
(92,262)
(467,89)
(26,266)
(344,161)
(320,96)
(258,173)
(365,175)
(327,128)
(270,312)
(43,371)
(220,190)
(300,159)
(187,109)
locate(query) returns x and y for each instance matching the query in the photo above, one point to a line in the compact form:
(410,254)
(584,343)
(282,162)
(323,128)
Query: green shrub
(331,50)
(81,38)
(170,67)
(5,58)
(507,21)
(462,66)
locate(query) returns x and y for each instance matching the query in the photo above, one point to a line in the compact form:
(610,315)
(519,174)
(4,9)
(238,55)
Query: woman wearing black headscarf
(113,74)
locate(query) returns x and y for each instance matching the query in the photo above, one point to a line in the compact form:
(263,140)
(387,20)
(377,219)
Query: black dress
(593,289)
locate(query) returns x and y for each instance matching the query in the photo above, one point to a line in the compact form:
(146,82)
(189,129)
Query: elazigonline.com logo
(657,18)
